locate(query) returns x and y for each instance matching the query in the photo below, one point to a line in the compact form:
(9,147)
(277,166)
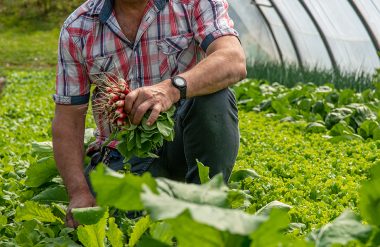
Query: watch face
(180,82)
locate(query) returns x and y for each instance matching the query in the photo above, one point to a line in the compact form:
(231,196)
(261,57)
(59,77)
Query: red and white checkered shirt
(172,38)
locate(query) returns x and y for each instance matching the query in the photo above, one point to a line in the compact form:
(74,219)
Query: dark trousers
(206,129)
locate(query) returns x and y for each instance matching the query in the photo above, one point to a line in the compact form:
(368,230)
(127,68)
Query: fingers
(130,100)
(70,222)
(154,114)
(139,101)
(138,112)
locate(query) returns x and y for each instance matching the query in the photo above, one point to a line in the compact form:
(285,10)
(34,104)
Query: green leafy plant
(143,140)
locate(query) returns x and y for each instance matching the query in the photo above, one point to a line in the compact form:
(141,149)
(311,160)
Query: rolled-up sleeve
(72,83)
(211,21)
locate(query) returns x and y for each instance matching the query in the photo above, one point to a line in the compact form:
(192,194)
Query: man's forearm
(224,66)
(69,155)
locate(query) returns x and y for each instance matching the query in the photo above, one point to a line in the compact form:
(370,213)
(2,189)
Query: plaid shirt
(172,38)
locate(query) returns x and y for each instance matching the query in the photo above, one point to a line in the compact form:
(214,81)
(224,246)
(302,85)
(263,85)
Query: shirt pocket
(170,52)
(99,65)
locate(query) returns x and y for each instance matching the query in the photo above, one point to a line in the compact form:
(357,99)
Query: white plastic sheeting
(311,33)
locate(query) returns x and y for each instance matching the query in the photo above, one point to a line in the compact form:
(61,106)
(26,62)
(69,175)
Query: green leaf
(162,232)
(93,235)
(267,209)
(341,128)
(212,193)
(33,211)
(240,175)
(337,115)
(41,172)
(56,193)
(367,128)
(346,137)
(361,113)
(342,230)
(204,172)
(191,233)
(316,127)
(88,136)
(163,207)
(58,242)
(281,106)
(150,242)
(370,198)
(42,149)
(376,134)
(123,192)
(271,232)
(139,229)
(164,128)
(114,234)
(3,220)
(88,216)
(239,199)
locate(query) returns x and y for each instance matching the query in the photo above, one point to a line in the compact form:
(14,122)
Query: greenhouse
(326,34)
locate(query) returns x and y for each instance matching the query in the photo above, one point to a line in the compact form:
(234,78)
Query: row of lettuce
(340,114)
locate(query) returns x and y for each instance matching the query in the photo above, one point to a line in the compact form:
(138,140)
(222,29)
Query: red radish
(116,89)
(120,103)
(122,96)
(114,97)
(108,89)
(119,110)
(122,81)
(120,122)
(122,116)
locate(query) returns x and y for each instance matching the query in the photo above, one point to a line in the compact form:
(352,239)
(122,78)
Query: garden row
(315,179)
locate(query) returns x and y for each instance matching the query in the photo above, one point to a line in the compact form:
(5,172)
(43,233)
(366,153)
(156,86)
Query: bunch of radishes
(112,100)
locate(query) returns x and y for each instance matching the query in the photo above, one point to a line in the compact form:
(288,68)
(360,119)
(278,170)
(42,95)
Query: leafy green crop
(142,140)
(279,165)
(202,215)
(324,107)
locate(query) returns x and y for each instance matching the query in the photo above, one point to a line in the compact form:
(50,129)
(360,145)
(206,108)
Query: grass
(28,51)
(29,43)
(289,75)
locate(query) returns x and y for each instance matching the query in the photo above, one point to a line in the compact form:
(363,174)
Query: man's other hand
(158,98)
(81,200)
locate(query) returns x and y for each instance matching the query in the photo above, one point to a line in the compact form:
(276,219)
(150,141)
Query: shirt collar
(107,8)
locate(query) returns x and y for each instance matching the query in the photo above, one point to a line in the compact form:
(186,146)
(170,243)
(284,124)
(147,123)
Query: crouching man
(170,52)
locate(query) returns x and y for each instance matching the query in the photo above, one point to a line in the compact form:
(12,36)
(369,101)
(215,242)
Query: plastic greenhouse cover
(254,33)
(346,34)
(281,35)
(371,12)
(350,43)
(309,42)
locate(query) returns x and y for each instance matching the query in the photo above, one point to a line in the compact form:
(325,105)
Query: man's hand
(158,98)
(81,200)
(68,134)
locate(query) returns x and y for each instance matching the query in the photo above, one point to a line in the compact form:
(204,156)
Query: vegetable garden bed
(317,178)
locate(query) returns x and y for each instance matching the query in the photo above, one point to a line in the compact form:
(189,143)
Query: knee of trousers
(221,103)
(214,119)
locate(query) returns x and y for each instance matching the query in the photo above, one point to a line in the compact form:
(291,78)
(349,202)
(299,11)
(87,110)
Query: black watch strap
(182,86)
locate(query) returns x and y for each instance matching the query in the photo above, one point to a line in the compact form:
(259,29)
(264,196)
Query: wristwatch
(181,84)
